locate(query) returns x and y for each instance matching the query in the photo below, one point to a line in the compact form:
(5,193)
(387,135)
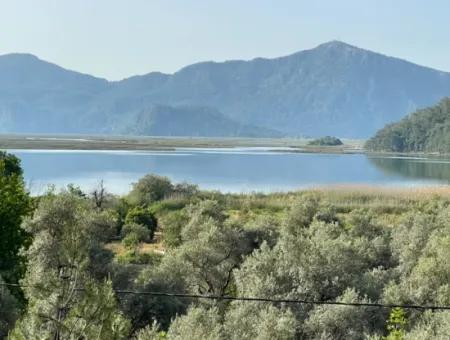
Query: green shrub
(135,257)
(326,141)
(150,189)
(171,225)
(143,217)
(141,231)
(131,241)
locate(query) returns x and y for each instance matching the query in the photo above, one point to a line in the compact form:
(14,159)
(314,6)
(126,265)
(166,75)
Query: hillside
(334,89)
(192,121)
(426,130)
(36,96)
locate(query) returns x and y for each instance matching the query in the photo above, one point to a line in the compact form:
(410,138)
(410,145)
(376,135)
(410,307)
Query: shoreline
(166,143)
(143,143)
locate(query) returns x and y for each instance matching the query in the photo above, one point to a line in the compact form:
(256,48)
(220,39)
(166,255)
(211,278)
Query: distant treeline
(426,130)
(326,141)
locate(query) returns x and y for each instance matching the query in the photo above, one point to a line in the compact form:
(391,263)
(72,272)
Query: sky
(115,39)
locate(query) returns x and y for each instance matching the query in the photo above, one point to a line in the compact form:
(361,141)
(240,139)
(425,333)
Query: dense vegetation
(426,130)
(326,141)
(347,246)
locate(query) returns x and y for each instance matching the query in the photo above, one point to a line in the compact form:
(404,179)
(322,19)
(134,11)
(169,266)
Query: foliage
(150,189)
(257,321)
(426,130)
(66,231)
(151,332)
(346,246)
(9,165)
(139,258)
(131,241)
(172,225)
(342,322)
(326,141)
(144,217)
(241,321)
(9,310)
(142,233)
(396,324)
(15,204)
(431,325)
(198,323)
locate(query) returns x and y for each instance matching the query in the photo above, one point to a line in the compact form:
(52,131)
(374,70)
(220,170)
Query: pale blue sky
(119,38)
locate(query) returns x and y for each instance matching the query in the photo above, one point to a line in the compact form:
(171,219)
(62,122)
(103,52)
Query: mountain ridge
(332,89)
(322,45)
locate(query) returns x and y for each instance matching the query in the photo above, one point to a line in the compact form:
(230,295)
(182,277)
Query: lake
(226,169)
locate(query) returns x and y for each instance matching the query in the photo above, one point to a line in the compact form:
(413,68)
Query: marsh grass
(388,204)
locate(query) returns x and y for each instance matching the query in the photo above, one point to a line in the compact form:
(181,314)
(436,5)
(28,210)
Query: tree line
(426,130)
(73,252)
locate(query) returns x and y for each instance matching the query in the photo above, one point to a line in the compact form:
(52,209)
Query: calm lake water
(229,170)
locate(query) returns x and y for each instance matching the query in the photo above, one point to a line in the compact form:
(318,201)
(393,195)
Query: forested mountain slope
(161,120)
(426,130)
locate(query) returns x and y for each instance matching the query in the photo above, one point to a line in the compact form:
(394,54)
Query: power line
(256,299)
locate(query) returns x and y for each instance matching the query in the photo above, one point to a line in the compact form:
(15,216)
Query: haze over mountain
(333,89)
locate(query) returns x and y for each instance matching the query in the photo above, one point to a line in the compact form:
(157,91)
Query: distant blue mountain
(334,89)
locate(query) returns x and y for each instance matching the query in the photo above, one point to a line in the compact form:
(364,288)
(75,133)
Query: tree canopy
(426,130)
(326,141)
(86,277)
(15,204)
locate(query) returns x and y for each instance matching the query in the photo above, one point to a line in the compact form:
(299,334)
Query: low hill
(162,120)
(426,130)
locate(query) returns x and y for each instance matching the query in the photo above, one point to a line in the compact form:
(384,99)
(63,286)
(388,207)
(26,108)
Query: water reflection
(228,170)
(417,168)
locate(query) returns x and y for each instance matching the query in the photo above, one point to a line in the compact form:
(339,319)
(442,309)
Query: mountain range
(333,89)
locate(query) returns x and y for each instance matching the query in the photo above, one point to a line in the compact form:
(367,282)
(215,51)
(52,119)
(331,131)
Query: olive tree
(241,321)
(149,189)
(66,232)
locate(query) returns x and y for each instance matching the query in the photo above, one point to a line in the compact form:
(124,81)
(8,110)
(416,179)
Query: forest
(426,130)
(172,261)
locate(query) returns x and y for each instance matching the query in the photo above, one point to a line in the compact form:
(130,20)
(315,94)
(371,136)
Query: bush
(121,207)
(141,231)
(131,241)
(326,141)
(9,310)
(134,257)
(172,224)
(150,189)
(143,217)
